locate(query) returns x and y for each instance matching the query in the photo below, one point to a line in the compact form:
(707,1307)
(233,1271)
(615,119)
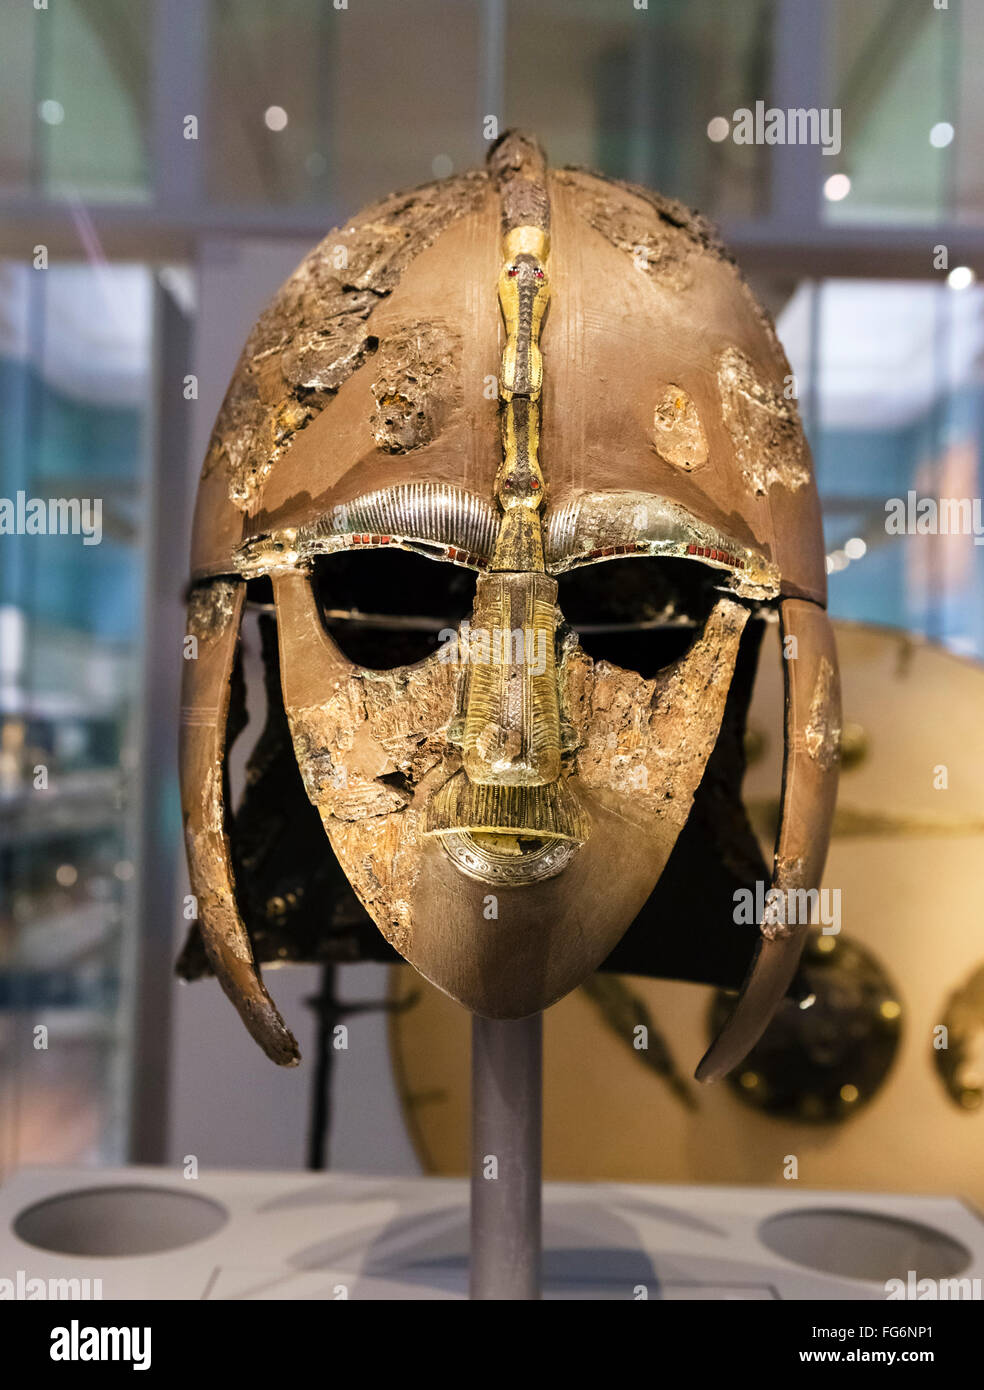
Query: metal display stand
(506,1152)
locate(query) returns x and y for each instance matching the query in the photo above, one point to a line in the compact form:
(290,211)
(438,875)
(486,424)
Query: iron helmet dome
(530,377)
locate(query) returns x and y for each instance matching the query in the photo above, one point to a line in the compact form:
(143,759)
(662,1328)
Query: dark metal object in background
(824,1057)
(958,1052)
(507,1126)
(329,1011)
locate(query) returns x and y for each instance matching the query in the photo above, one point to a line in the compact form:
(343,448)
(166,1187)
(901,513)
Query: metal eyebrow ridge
(434,518)
(445,522)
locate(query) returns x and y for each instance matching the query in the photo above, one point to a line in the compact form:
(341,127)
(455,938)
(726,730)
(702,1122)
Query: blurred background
(133,261)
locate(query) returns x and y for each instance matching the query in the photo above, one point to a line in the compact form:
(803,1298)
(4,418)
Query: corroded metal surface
(315,335)
(518,167)
(415,386)
(678,435)
(659,235)
(763,424)
(648,741)
(211,608)
(823,731)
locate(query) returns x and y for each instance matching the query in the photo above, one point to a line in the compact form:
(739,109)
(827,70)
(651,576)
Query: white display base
(326,1236)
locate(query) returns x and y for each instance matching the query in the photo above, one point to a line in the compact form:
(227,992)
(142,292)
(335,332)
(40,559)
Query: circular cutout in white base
(863,1244)
(119,1221)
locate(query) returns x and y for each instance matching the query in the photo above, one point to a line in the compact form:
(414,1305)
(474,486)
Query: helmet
(514,465)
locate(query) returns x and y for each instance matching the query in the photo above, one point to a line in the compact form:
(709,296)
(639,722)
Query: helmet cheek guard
(806,811)
(207,732)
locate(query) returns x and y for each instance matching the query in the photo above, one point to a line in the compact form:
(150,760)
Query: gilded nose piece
(509,807)
(509,816)
(512,715)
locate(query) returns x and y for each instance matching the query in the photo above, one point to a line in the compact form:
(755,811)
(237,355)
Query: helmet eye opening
(640,614)
(389,608)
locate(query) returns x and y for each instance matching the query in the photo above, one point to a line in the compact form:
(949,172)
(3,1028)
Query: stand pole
(328,1013)
(507,1130)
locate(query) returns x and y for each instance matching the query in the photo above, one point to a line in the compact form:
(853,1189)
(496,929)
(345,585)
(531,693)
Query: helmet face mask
(505,901)
(508,621)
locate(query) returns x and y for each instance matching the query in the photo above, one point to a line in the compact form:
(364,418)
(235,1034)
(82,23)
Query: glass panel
(632,91)
(310,102)
(75,347)
(75,114)
(906,76)
(897,432)
(18,112)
